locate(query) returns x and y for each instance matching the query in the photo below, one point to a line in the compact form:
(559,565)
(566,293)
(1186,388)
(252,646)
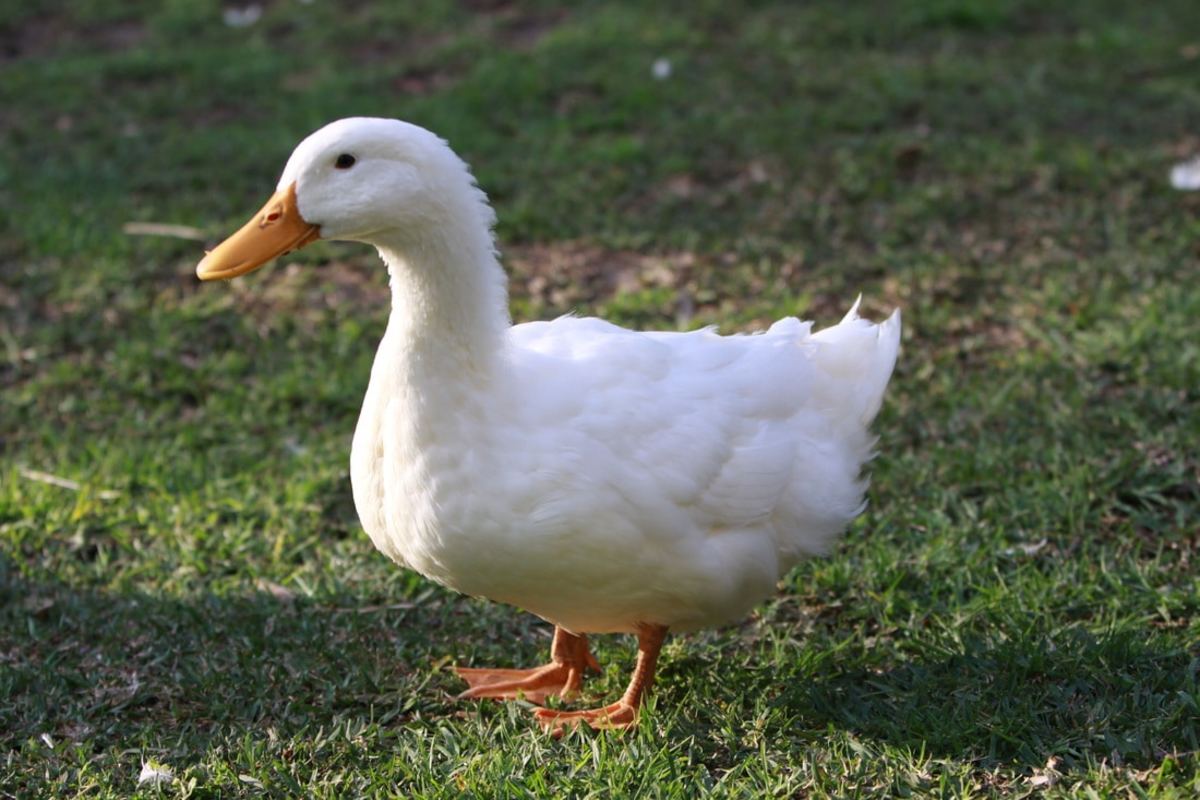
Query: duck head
(358,179)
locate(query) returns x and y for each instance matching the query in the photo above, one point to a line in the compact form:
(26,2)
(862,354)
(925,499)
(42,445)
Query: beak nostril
(274,215)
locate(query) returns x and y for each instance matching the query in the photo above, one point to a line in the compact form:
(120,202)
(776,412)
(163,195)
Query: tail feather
(859,356)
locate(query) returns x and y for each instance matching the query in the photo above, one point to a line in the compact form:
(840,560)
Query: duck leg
(623,713)
(569,657)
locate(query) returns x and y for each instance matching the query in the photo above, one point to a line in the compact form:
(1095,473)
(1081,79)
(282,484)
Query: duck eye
(345,161)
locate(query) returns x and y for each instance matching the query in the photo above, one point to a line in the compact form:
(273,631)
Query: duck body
(606,480)
(602,478)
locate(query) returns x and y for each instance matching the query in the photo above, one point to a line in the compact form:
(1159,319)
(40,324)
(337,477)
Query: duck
(606,480)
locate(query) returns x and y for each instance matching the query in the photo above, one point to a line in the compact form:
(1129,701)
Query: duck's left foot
(622,714)
(562,677)
(618,716)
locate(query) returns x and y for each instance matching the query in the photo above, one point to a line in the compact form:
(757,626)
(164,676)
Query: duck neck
(449,305)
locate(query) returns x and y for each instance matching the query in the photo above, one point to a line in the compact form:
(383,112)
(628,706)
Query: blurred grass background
(1015,613)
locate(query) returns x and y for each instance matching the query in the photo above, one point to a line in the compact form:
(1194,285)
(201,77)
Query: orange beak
(277,229)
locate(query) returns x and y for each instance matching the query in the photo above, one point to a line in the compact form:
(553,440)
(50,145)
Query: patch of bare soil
(563,275)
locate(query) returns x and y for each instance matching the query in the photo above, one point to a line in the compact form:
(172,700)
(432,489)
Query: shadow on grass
(99,667)
(128,669)
(1125,697)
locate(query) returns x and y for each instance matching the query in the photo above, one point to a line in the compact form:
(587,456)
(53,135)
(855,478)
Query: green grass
(1015,614)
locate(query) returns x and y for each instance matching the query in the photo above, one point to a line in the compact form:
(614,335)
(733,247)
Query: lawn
(184,583)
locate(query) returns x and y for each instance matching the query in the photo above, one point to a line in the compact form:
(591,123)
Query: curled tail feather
(858,356)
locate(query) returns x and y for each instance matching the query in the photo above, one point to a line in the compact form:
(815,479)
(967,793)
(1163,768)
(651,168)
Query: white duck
(605,480)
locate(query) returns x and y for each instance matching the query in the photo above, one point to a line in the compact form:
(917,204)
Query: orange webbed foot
(534,685)
(562,677)
(621,715)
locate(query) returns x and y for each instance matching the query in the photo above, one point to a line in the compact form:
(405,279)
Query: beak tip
(202,269)
(209,270)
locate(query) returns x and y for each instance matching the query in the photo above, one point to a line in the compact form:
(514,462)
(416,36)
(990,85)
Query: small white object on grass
(1185,176)
(1028,548)
(661,69)
(155,774)
(242,17)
